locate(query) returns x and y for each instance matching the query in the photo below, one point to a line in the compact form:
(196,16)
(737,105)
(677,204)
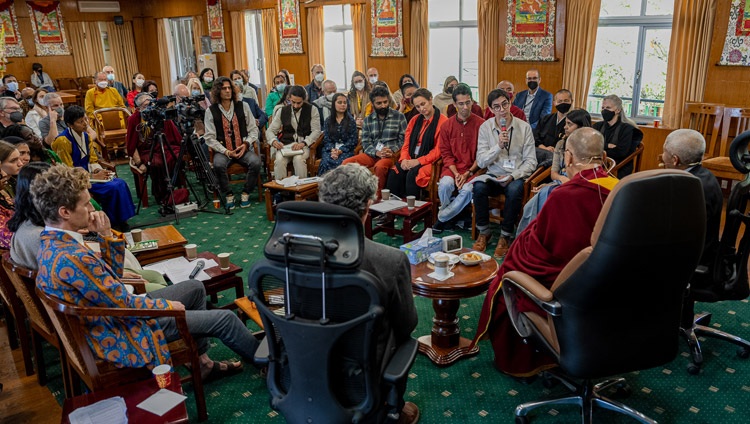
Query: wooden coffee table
(445,345)
(222,280)
(171,244)
(301,192)
(411,217)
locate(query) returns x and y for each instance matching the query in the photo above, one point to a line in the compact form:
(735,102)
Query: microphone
(503,124)
(198,267)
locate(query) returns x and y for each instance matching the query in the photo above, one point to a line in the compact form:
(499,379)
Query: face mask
(373,80)
(195,93)
(139,82)
(382,112)
(532,85)
(563,107)
(450,88)
(59,111)
(102,84)
(154,94)
(319,77)
(280,87)
(208,79)
(39,70)
(111,77)
(30,102)
(16,117)
(238,82)
(359,86)
(12,86)
(329,97)
(607,115)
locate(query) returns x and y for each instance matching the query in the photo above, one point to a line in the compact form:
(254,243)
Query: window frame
(343,28)
(461,25)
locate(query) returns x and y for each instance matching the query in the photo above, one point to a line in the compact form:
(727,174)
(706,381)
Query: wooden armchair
(99,374)
(735,121)
(634,157)
(15,318)
(313,161)
(111,129)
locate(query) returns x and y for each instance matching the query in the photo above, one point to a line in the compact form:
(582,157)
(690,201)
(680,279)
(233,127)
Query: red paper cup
(163,375)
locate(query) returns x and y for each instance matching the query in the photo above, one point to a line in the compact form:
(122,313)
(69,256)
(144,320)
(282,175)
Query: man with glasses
(506,148)
(458,147)
(509,88)
(535,102)
(10,112)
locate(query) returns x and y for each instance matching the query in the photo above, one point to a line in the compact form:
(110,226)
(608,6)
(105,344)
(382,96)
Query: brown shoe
(409,414)
(481,244)
(502,248)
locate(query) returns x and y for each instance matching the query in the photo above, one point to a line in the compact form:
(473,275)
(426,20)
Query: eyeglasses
(503,105)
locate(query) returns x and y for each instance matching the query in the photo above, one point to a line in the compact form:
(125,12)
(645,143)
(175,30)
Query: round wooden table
(445,345)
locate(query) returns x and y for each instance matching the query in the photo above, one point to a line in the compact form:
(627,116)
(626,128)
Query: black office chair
(727,276)
(322,317)
(615,307)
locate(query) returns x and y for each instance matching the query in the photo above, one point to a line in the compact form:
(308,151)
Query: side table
(171,244)
(301,192)
(222,280)
(411,217)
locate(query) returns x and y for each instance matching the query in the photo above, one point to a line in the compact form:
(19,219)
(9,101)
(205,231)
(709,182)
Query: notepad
(161,402)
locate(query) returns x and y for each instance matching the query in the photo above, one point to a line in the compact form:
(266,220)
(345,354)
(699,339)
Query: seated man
(117,85)
(102,96)
(10,84)
(295,128)
(551,127)
(458,147)
(73,273)
(562,228)
(506,148)
(382,136)
(354,187)
(516,111)
(230,133)
(324,103)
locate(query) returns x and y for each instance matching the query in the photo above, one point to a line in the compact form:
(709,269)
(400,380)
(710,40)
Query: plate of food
(470,258)
(452,259)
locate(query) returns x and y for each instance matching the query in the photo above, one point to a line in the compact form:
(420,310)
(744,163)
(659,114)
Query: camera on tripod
(188,110)
(159,111)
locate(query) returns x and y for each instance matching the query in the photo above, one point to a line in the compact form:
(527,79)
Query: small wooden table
(133,394)
(301,192)
(445,345)
(171,244)
(411,218)
(222,280)
(67,97)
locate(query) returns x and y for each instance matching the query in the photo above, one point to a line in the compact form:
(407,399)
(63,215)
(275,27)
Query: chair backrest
(736,120)
(320,313)
(621,297)
(111,118)
(706,119)
(633,158)
(24,282)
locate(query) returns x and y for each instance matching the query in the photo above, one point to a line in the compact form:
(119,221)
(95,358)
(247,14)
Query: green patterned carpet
(471,390)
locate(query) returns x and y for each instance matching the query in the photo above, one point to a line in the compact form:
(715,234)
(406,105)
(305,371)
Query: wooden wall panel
(725,84)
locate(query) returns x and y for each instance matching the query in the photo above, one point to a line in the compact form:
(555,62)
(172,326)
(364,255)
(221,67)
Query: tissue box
(417,252)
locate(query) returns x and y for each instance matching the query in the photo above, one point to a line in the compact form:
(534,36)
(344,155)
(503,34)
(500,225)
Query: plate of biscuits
(470,258)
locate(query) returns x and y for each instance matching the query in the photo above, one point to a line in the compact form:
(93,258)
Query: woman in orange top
(421,148)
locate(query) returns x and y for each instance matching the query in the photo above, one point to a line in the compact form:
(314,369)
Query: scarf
(428,138)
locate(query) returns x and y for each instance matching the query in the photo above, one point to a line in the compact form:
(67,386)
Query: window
(454,44)
(183,50)
(339,45)
(632,46)
(255,62)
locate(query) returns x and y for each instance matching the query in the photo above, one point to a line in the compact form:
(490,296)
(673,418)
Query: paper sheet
(112,410)
(161,402)
(178,269)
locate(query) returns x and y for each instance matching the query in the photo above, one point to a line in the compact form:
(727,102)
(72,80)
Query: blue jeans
(450,208)
(220,323)
(513,198)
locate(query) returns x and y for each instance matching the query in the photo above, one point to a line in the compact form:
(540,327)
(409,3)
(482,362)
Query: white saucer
(452,259)
(434,276)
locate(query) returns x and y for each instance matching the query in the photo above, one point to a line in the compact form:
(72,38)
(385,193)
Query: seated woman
(406,105)
(421,148)
(359,97)
(405,79)
(621,135)
(27,225)
(38,112)
(340,135)
(31,149)
(274,96)
(10,166)
(577,118)
(138,80)
(75,149)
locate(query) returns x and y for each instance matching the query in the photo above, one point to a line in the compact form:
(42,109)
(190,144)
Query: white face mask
(102,84)
(359,86)
(139,82)
(208,79)
(373,80)
(319,77)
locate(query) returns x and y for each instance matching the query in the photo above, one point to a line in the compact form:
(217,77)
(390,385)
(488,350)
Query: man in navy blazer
(535,102)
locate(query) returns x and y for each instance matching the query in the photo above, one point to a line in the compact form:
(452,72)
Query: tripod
(191,144)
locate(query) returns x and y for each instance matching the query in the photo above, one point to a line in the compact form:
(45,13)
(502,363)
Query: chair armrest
(261,354)
(92,311)
(401,362)
(534,290)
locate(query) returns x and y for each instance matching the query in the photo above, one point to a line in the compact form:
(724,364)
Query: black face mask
(607,115)
(450,88)
(382,111)
(532,85)
(563,107)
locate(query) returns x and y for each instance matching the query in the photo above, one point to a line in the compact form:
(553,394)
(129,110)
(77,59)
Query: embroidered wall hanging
(531,30)
(12,45)
(216,26)
(737,43)
(289,29)
(49,32)
(387,28)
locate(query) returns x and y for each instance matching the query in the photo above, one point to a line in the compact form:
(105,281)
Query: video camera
(158,112)
(183,112)
(188,110)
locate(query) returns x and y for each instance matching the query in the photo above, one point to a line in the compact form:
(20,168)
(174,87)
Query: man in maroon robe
(562,228)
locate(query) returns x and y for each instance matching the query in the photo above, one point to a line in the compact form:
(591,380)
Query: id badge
(379,146)
(338,146)
(509,163)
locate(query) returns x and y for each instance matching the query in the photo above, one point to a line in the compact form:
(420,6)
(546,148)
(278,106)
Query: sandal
(217,373)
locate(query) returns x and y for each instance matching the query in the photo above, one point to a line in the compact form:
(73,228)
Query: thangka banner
(13,47)
(387,28)
(737,44)
(216,26)
(289,30)
(531,30)
(47,23)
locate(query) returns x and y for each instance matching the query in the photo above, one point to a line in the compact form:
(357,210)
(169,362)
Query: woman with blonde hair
(621,136)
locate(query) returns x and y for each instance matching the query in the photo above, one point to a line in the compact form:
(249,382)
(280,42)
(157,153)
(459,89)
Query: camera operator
(143,151)
(230,132)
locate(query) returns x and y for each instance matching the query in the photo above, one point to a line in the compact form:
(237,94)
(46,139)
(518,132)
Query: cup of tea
(441,266)
(137,235)
(224,260)
(411,201)
(191,251)
(163,375)
(385,194)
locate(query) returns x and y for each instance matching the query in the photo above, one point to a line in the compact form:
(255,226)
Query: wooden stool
(248,311)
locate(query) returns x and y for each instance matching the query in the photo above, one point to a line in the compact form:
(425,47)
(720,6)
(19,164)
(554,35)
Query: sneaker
(502,248)
(409,414)
(244,200)
(481,244)
(230,201)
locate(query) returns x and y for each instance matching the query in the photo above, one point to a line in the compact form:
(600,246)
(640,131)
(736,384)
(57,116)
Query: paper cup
(224,260)
(410,201)
(217,204)
(385,194)
(163,375)
(137,235)
(191,251)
